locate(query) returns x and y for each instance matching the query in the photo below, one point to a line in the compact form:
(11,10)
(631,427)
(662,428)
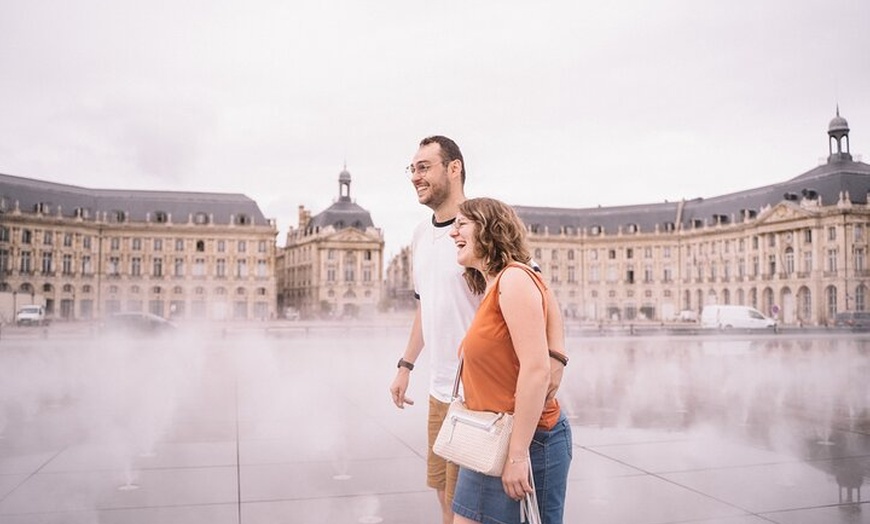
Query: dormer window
(118,216)
(747,213)
(596,230)
(82,212)
(200,218)
(670,227)
(631,228)
(42,208)
(243,220)
(161,217)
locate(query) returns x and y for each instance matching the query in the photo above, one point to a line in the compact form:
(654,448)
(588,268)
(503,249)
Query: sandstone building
(87,253)
(331,265)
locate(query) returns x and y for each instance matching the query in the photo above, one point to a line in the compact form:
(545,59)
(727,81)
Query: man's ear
(454,168)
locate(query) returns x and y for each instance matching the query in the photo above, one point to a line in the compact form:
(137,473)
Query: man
(445,305)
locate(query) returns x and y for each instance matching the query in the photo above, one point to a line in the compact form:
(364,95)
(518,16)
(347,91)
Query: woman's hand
(515,478)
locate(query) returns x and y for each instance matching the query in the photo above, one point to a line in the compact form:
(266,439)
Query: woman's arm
(521,303)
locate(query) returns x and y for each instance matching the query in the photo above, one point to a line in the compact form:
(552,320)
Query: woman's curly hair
(500,238)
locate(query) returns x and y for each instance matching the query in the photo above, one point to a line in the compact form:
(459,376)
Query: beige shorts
(441,474)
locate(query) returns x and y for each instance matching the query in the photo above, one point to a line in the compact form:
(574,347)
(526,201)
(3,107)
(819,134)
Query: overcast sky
(564,104)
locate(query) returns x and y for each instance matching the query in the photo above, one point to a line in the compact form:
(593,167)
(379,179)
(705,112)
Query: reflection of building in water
(331,264)
(796,250)
(85,253)
(850,478)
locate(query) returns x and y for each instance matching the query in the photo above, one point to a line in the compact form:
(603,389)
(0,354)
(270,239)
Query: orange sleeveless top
(490,365)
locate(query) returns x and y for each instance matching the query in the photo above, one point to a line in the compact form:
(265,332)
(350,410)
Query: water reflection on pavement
(298,427)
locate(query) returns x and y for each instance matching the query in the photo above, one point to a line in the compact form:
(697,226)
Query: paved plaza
(259,427)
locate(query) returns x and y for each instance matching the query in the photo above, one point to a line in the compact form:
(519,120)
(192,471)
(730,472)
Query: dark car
(853,319)
(138,324)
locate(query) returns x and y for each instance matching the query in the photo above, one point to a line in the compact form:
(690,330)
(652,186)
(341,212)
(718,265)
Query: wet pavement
(299,428)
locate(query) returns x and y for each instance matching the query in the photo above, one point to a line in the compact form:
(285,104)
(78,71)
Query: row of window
(87,289)
(119,216)
(136,266)
(136,244)
(700,269)
(714,246)
(178,290)
(349,273)
(632,228)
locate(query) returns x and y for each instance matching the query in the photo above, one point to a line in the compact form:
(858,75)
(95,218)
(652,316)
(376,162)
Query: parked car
(31,315)
(137,323)
(687,315)
(853,319)
(740,317)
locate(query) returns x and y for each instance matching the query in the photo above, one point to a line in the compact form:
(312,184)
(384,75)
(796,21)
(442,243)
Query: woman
(506,368)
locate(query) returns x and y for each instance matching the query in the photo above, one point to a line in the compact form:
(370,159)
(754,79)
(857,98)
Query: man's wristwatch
(405,364)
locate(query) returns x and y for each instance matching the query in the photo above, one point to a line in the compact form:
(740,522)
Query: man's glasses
(422,168)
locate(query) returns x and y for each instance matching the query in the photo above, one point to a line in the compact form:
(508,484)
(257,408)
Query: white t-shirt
(447,306)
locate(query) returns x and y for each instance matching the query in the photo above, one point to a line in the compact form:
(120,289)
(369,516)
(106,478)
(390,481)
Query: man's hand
(556,370)
(399,387)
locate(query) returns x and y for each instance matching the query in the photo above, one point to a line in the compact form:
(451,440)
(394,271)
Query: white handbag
(477,440)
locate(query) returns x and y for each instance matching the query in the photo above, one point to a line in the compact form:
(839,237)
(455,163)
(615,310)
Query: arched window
(860,298)
(805,304)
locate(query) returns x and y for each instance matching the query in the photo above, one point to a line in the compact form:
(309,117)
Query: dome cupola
(838,139)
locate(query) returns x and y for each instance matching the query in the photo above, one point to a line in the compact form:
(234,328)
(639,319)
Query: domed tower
(333,263)
(344,212)
(838,133)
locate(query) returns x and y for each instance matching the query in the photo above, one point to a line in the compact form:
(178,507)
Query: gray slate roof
(826,181)
(343,213)
(28,193)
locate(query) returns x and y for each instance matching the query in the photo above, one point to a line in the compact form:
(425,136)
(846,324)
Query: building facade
(400,281)
(796,250)
(331,265)
(87,253)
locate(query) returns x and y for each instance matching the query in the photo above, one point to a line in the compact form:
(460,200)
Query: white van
(740,317)
(32,315)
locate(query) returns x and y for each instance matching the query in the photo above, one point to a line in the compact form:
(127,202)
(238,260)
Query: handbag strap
(457,379)
(529,511)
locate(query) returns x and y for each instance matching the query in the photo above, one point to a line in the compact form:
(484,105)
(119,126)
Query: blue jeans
(482,498)
(551,453)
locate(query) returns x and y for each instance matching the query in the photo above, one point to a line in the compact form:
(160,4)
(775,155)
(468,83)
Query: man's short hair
(449,150)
